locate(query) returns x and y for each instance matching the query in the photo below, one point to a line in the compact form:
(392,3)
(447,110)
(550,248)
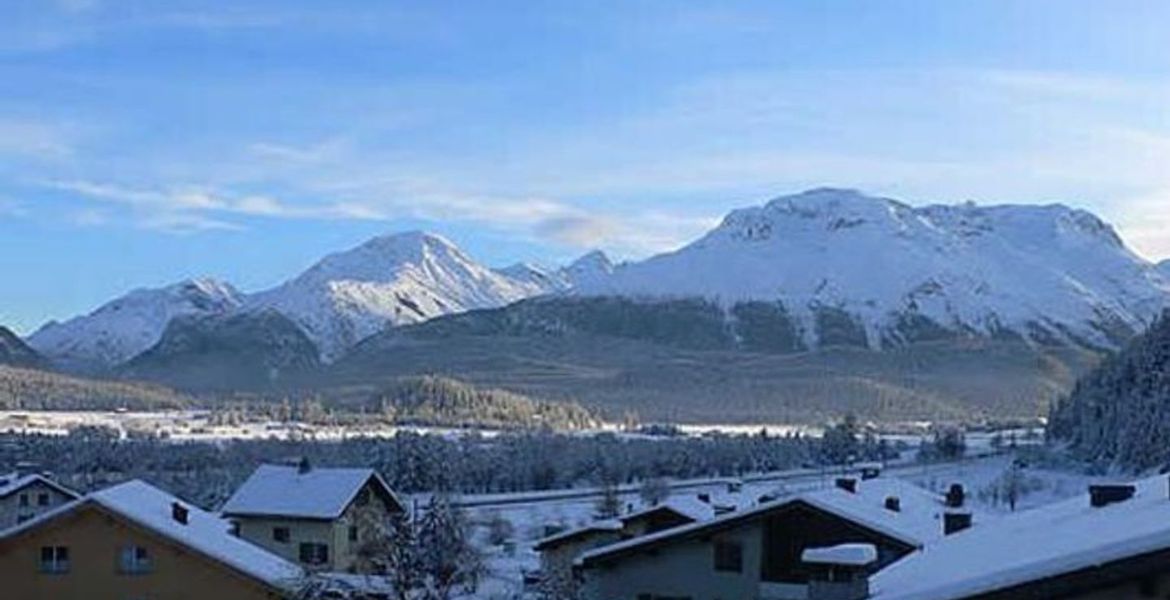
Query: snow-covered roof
(204,532)
(1044,542)
(687,506)
(14,482)
(602,526)
(919,520)
(857,555)
(287,491)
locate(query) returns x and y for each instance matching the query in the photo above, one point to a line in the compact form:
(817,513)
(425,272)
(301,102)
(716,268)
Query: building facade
(319,518)
(118,545)
(26,496)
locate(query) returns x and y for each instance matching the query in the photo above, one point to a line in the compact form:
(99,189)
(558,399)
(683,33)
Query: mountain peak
(593,260)
(129,324)
(1050,269)
(389,280)
(13,351)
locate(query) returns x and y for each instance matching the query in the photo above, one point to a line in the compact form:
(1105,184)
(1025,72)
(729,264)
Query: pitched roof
(286,491)
(204,532)
(688,507)
(1036,544)
(13,482)
(556,539)
(918,521)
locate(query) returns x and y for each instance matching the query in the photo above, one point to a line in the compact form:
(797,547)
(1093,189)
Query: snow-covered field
(196,426)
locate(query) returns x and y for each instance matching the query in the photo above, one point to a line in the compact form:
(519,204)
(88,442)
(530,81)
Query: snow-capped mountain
(1047,273)
(126,326)
(1164,268)
(389,280)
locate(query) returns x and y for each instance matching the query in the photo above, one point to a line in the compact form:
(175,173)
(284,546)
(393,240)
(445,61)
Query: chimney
(179,513)
(848,484)
(1106,494)
(839,572)
(954,522)
(956,496)
(304,466)
(894,503)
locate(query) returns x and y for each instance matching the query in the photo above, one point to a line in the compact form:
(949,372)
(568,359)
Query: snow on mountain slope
(126,326)
(389,280)
(540,278)
(1049,273)
(1164,268)
(589,270)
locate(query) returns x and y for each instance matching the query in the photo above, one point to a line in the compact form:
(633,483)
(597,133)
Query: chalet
(757,552)
(24,496)
(1112,543)
(136,541)
(559,551)
(318,517)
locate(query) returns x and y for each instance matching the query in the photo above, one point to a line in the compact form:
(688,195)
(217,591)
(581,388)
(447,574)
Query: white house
(319,517)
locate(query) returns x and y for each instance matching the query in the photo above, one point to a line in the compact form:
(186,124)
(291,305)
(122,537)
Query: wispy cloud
(30,138)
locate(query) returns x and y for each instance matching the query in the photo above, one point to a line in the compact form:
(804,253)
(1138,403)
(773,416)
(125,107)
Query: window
(314,554)
(133,560)
(280,534)
(353,533)
(42,499)
(22,500)
(54,559)
(729,557)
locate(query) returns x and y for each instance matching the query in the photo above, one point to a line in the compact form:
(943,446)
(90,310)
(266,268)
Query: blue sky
(142,142)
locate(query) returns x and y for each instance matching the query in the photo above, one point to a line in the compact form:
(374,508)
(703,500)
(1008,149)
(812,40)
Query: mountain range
(824,286)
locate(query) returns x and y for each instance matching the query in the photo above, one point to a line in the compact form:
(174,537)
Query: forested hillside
(441,401)
(690,361)
(1120,413)
(29,389)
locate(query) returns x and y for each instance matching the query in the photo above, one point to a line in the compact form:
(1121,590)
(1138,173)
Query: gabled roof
(287,491)
(205,533)
(687,507)
(1047,542)
(13,483)
(556,539)
(918,521)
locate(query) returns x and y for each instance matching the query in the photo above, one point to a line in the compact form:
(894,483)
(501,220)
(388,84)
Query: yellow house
(134,541)
(318,517)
